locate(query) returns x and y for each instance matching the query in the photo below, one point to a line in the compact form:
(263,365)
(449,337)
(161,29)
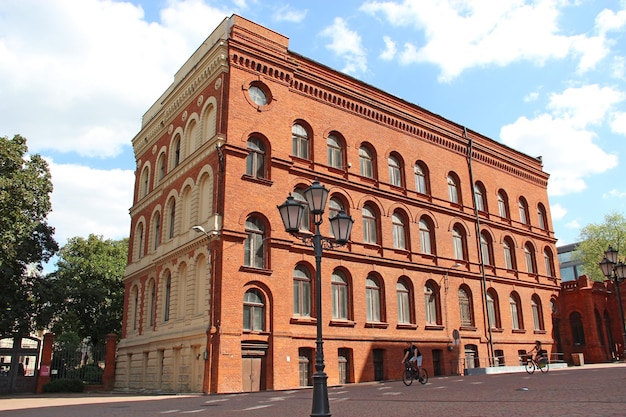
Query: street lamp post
(341,225)
(616,270)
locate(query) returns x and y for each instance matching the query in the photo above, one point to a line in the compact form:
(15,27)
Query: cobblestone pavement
(591,390)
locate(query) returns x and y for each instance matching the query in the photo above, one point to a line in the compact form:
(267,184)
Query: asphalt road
(597,390)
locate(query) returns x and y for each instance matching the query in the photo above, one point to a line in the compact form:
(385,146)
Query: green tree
(596,238)
(85,294)
(26,239)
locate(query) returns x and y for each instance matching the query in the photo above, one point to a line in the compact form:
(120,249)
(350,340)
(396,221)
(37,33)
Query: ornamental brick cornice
(179,96)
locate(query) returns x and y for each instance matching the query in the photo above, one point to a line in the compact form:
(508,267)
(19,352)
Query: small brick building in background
(452,231)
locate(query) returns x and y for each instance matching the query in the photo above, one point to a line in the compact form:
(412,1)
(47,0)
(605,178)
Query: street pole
(320,379)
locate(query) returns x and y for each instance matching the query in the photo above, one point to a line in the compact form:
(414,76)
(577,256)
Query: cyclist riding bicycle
(539,352)
(414,356)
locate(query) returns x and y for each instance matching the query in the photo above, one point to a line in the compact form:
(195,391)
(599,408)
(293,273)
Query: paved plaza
(591,390)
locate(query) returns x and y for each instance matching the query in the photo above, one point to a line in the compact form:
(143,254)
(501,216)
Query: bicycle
(531,364)
(410,373)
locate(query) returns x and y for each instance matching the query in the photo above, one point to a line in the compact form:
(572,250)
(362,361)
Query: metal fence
(82,361)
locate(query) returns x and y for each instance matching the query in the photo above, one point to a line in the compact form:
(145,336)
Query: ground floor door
(19,359)
(251,374)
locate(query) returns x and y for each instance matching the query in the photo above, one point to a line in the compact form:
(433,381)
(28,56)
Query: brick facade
(184,308)
(587,321)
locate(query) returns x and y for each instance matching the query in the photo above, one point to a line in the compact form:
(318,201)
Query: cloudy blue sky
(546,77)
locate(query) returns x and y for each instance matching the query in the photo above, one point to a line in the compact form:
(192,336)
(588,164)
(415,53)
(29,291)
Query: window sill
(262,181)
(497,330)
(303,320)
(468,328)
(251,269)
(406,326)
(540,332)
(342,323)
(518,331)
(376,325)
(433,327)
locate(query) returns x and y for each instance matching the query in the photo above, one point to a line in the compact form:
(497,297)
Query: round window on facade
(257,95)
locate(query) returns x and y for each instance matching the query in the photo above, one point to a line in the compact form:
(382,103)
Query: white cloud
(390,49)
(557,211)
(574,224)
(618,124)
(572,153)
(534,96)
(76,76)
(87,200)
(286,13)
(346,44)
(565,136)
(614,194)
(585,105)
(461,34)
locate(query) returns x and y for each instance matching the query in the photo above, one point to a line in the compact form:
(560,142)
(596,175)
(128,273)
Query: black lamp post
(341,225)
(616,271)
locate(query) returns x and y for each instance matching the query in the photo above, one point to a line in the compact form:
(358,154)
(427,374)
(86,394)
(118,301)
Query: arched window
(140,241)
(459,243)
(145,181)
(426,236)
(151,303)
(503,204)
(509,254)
(301,291)
(305,222)
(335,205)
(167,297)
(372,299)
(486,249)
(403,295)
(578,331)
(176,151)
(157,230)
(493,309)
(431,300)
(535,303)
(399,230)
(161,167)
(172,216)
(254,245)
(548,262)
(465,306)
(480,197)
(453,189)
(516,311)
(523,210)
(369,225)
(300,141)
(366,162)
(335,152)
(542,217)
(255,162)
(395,172)
(135,307)
(339,284)
(253,311)
(421,178)
(529,254)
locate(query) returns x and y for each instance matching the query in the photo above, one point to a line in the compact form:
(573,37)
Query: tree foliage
(596,238)
(26,239)
(85,294)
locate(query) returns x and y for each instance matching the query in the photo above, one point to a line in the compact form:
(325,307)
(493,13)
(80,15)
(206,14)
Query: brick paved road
(585,391)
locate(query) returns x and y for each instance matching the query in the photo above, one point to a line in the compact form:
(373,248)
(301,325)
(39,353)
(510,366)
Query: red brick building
(586,321)
(452,230)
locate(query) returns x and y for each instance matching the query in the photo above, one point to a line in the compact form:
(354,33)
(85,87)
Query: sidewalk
(23,401)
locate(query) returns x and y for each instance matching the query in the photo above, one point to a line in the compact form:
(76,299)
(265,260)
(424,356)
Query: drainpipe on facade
(487,319)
